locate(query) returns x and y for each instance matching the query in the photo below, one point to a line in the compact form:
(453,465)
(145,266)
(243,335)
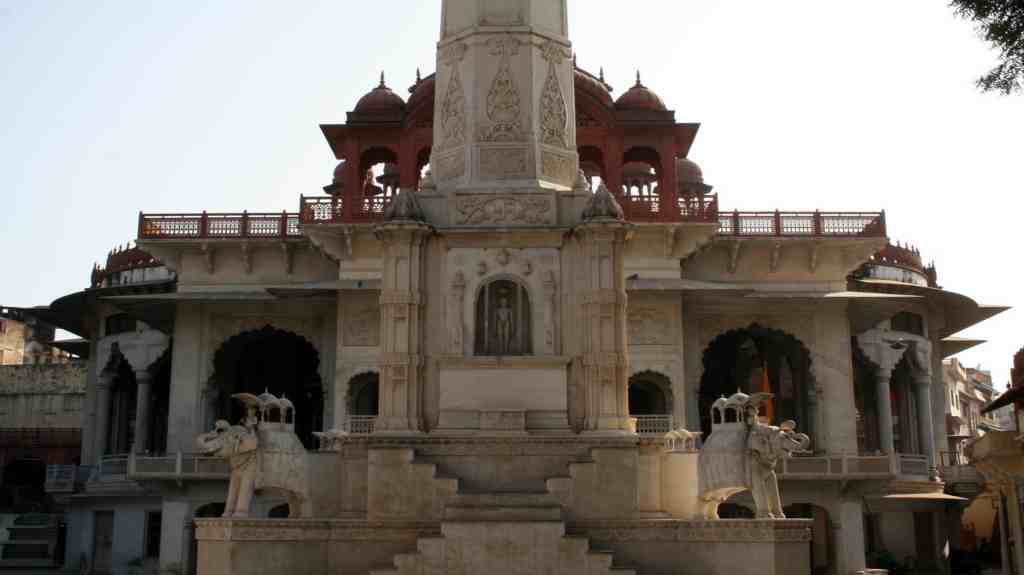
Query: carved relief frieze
(506,210)
(554,112)
(503,104)
(649,325)
(557,168)
(450,167)
(503,163)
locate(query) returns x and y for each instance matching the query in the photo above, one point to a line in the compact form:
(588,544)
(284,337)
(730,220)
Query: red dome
(422,91)
(688,172)
(380,99)
(586,82)
(640,97)
(339,172)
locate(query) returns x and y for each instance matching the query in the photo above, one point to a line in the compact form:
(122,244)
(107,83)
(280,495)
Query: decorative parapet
(802,224)
(203,226)
(902,263)
(123,264)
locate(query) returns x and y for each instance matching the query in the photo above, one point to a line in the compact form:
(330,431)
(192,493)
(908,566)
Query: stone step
(538,513)
(504,499)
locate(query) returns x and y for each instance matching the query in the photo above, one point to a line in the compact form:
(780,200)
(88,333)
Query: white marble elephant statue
(265,455)
(741,453)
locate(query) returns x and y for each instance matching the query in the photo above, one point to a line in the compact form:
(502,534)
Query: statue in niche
(503,320)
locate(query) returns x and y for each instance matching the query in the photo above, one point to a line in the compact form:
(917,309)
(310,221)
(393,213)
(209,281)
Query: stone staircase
(495,533)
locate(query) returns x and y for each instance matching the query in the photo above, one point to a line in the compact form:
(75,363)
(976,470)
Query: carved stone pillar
(602,318)
(401,307)
(923,391)
(103,387)
(456,314)
(551,308)
(143,382)
(884,406)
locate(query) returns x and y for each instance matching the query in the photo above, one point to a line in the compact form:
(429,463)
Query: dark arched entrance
(364,394)
(757,359)
(821,534)
(273,360)
(649,394)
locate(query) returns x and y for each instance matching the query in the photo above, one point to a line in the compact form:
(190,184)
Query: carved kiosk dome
(688,172)
(640,97)
(339,173)
(380,99)
(594,86)
(422,92)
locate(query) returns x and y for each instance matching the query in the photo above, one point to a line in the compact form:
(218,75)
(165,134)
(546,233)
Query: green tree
(1001,23)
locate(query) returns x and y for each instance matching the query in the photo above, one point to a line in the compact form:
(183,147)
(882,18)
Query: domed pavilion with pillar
(502,329)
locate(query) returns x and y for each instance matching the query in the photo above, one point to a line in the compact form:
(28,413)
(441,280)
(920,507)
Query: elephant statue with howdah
(741,453)
(264,453)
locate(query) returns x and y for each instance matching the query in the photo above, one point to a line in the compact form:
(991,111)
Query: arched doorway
(160,403)
(650,402)
(273,360)
(120,433)
(364,394)
(758,359)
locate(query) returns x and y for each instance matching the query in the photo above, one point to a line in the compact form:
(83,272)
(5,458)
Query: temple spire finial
(638,78)
(382,80)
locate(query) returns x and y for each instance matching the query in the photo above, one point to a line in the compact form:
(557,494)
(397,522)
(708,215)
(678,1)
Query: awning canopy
(961,312)
(931,501)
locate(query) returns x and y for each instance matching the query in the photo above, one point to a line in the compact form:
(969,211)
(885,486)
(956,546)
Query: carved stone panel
(504,210)
(449,167)
(362,326)
(649,325)
(558,168)
(503,163)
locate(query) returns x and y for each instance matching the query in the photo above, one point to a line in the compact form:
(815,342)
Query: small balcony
(652,425)
(66,479)
(177,467)
(843,466)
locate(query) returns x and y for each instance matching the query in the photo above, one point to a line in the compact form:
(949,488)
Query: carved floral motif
(503,102)
(503,210)
(554,113)
(453,111)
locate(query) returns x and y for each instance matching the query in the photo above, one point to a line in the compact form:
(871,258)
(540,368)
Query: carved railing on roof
(218,226)
(653,208)
(802,224)
(339,209)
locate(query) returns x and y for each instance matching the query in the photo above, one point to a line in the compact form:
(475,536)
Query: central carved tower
(504,110)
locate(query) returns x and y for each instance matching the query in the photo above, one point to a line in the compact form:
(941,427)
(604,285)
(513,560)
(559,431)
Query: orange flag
(766,387)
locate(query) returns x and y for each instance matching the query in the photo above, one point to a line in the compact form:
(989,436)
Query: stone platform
(474,545)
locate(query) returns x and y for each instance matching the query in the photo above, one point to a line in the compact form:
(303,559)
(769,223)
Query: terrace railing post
(141,225)
(177,464)
(817,223)
(204,225)
(777,223)
(284,223)
(735,222)
(243,226)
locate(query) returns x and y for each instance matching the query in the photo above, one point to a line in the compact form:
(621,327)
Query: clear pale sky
(112,107)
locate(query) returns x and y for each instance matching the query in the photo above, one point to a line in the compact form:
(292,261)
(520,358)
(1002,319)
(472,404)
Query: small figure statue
(503,326)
